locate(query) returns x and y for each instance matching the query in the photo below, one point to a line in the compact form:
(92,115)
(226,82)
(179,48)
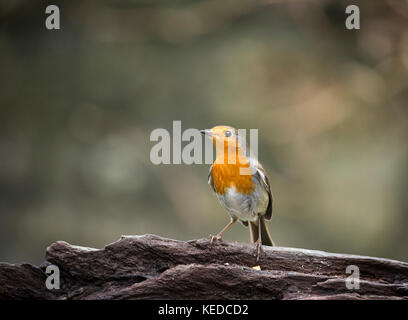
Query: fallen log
(152,267)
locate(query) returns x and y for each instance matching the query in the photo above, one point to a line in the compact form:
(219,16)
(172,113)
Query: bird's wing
(211,180)
(260,174)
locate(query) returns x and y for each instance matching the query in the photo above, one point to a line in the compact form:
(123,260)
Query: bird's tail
(265,235)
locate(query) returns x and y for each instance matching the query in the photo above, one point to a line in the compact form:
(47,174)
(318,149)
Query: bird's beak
(206,132)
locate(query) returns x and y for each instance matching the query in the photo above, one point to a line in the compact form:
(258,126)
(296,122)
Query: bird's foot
(258,250)
(212,238)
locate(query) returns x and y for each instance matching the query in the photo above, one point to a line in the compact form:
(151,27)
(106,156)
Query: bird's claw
(212,238)
(258,250)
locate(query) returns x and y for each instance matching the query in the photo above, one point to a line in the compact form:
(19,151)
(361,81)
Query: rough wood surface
(151,267)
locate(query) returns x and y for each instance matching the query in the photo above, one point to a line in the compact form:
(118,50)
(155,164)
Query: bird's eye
(227,134)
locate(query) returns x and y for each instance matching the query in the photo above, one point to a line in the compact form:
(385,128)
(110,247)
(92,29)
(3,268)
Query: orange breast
(228,175)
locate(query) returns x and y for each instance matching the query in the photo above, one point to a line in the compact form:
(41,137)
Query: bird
(241,186)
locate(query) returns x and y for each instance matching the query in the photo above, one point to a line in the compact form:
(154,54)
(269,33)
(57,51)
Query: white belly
(245,207)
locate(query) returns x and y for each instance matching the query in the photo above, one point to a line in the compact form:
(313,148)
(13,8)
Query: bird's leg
(219,235)
(258,246)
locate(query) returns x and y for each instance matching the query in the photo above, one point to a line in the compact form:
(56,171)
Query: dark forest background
(78,106)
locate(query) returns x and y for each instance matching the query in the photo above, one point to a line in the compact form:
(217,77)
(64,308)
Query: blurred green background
(78,106)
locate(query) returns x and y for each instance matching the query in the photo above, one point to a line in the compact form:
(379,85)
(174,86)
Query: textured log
(151,267)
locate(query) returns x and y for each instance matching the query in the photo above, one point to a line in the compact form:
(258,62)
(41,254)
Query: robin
(241,185)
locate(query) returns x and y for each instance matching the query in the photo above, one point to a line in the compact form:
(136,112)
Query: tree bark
(151,267)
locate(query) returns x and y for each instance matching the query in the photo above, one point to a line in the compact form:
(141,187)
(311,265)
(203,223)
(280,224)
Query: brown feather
(265,235)
(261,175)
